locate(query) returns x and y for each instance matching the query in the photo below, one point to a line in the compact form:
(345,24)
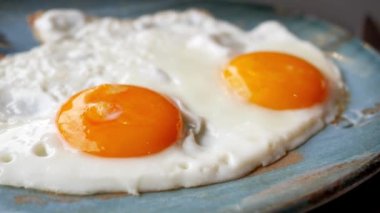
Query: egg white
(180,55)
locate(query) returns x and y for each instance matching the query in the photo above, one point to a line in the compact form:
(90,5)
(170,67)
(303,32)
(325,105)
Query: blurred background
(361,18)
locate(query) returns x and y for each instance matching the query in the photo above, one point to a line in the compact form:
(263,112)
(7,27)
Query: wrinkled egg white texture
(180,55)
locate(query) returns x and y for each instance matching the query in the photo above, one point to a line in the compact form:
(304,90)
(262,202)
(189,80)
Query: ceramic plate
(333,161)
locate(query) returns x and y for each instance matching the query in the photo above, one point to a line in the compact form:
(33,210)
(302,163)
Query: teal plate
(332,162)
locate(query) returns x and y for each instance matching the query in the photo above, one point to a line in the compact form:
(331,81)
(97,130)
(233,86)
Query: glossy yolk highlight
(276,80)
(119,121)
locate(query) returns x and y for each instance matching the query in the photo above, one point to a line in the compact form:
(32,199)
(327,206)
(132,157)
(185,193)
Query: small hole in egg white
(183,166)
(224,159)
(6,158)
(40,150)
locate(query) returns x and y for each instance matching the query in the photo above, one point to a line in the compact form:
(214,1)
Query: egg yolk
(119,121)
(275,80)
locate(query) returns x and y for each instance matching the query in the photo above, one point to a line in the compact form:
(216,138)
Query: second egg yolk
(276,80)
(119,121)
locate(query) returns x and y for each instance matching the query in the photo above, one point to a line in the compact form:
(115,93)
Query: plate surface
(333,161)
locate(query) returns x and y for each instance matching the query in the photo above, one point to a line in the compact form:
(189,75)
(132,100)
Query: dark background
(361,18)
(350,14)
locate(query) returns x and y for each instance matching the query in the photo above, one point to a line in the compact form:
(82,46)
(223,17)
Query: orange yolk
(275,80)
(119,121)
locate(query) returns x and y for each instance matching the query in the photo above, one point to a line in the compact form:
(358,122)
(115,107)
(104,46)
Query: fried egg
(169,100)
